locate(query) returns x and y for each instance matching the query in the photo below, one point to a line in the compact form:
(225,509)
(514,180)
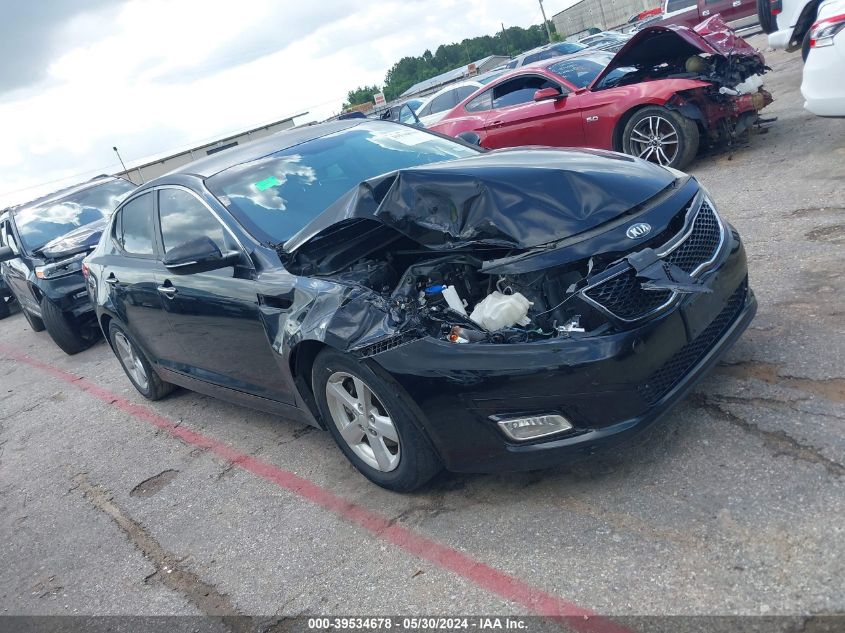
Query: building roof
(163,156)
(446,77)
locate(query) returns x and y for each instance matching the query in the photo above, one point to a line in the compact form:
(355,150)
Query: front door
(516,119)
(215,315)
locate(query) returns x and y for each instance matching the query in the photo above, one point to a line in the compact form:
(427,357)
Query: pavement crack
(779,441)
(774,403)
(169,569)
(830,388)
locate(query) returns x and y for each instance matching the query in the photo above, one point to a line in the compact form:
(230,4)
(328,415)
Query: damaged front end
(531,302)
(730,95)
(453,253)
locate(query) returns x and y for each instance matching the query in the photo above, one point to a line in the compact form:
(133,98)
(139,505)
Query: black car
(44,243)
(430,304)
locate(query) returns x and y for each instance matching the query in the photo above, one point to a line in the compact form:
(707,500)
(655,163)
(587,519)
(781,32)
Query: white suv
(788,23)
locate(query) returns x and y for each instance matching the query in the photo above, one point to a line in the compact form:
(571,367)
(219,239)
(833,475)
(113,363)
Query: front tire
(373,423)
(61,328)
(5,310)
(661,136)
(136,366)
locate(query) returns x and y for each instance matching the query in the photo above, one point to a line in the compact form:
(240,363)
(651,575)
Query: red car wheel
(661,136)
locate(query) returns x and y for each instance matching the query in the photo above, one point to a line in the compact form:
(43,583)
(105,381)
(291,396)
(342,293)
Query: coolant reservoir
(499,311)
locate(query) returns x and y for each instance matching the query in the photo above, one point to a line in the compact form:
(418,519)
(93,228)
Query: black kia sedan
(430,304)
(42,245)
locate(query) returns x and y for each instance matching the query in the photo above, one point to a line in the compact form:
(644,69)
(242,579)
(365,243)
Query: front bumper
(70,294)
(781,39)
(609,387)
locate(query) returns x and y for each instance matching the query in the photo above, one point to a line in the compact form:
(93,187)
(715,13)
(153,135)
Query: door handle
(496,123)
(737,3)
(168,291)
(111,280)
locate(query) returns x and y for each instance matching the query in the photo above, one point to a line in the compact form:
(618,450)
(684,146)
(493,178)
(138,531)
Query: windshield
(40,224)
(581,71)
(275,196)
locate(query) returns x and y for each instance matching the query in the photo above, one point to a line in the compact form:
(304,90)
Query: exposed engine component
(498,311)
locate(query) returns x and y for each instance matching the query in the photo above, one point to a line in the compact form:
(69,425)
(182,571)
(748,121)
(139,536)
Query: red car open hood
(657,44)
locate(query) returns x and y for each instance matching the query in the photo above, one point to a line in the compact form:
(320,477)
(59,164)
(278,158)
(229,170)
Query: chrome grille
(692,250)
(701,243)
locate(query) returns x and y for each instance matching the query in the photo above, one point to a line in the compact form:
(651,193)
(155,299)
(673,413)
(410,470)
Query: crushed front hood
(516,198)
(655,45)
(79,240)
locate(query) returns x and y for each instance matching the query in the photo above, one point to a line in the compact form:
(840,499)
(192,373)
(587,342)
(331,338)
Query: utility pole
(545,21)
(507,44)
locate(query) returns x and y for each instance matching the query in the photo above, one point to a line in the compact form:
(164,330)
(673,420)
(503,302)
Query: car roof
(205,167)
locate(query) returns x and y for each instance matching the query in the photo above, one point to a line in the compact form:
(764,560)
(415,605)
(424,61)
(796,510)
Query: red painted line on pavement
(493,580)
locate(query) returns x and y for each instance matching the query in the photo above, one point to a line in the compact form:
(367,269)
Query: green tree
(364,94)
(411,70)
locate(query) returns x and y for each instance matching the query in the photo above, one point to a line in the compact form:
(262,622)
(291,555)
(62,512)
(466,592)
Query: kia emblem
(638,230)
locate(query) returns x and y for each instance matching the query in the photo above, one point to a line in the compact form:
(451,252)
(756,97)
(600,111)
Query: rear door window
(677,5)
(446,101)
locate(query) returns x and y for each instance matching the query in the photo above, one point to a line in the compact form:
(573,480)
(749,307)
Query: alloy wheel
(363,421)
(655,139)
(130,360)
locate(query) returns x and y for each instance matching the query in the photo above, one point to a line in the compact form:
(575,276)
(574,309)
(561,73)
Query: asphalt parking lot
(733,504)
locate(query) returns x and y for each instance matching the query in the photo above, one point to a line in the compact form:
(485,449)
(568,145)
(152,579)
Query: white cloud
(154,75)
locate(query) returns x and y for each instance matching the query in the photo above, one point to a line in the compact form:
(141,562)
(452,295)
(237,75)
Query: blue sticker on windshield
(272,181)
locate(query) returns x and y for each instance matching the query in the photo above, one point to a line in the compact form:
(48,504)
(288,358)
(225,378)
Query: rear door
(215,316)
(730,10)
(683,12)
(516,119)
(129,268)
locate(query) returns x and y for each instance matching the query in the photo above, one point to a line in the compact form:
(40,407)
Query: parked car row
(429,303)
(667,92)
(433,298)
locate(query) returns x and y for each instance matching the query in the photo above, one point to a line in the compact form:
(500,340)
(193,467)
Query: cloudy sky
(79,76)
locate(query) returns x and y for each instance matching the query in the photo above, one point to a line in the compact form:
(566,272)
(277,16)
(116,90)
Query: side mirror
(6,254)
(470,137)
(198,256)
(545,94)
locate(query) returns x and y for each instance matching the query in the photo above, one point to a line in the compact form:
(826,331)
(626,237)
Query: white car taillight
(823,31)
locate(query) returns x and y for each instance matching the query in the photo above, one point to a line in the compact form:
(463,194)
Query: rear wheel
(4,308)
(64,331)
(373,423)
(35,322)
(661,136)
(137,367)
(765,17)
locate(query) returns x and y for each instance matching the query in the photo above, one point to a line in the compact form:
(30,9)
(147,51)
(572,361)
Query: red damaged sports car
(669,90)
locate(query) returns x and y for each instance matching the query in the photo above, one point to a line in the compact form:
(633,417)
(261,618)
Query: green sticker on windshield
(272,181)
